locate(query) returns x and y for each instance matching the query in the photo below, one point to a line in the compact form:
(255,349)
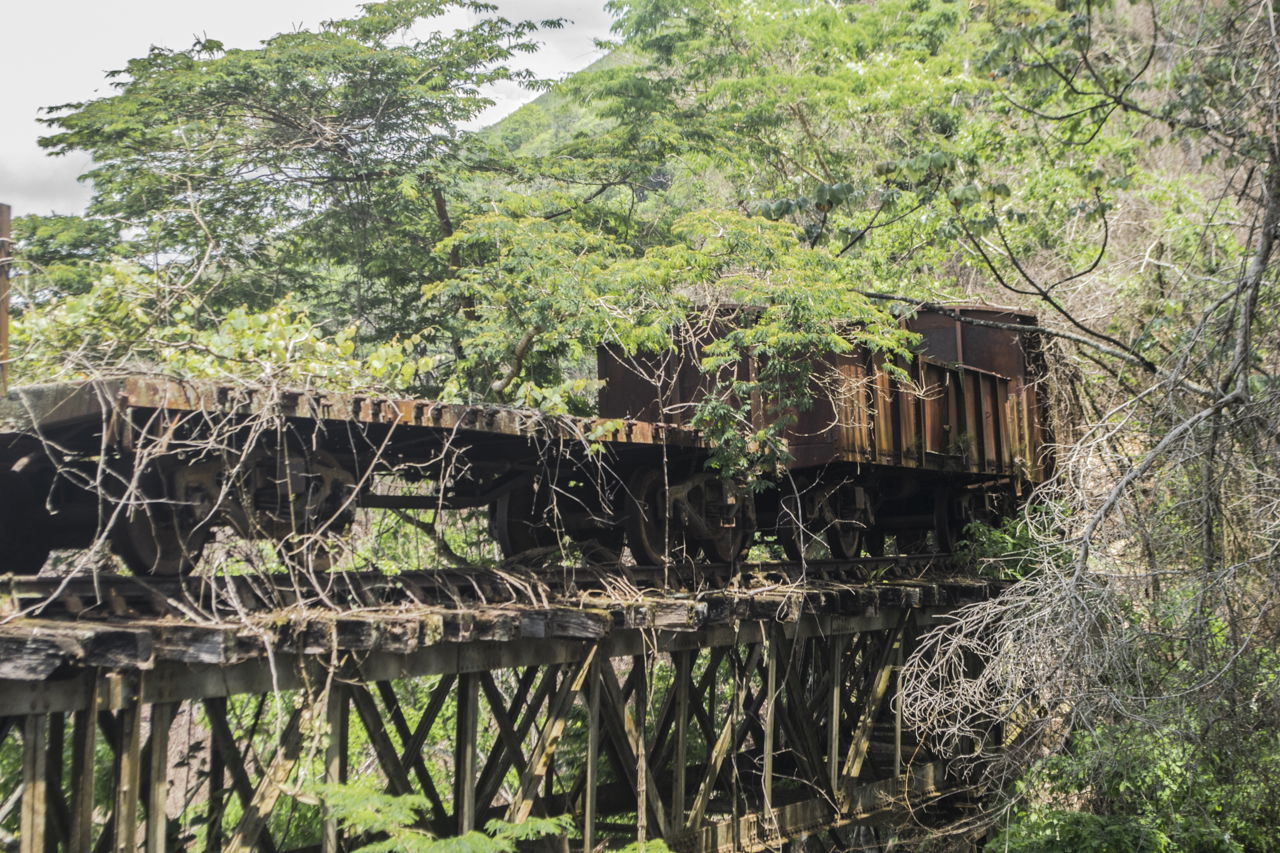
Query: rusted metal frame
(464,762)
(729,739)
(338,717)
(627,742)
(411,743)
(35,783)
(254,820)
(383,748)
(552,731)
(871,701)
(498,762)
(233,763)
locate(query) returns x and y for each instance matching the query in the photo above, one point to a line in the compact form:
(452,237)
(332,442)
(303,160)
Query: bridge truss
(212,713)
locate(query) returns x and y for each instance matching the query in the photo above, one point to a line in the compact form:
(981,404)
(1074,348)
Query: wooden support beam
(158,776)
(511,742)
(725,743)
(499,761)
(129,778)
(464,763)
(338,717)
(58,818)
(684,679)
(795,720)
(254,820)
(233,763)
(84,744)
(626,741)
(413,743)
(548,740)
(835,650)
(640,676)
(592,759)
(897,712)
(871,702)
(35,783)
(770,725)
(388,757)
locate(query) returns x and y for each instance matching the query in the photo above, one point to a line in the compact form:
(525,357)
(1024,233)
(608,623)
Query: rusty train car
(885,464)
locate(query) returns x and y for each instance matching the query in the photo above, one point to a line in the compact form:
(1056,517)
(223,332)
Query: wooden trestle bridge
(209,713)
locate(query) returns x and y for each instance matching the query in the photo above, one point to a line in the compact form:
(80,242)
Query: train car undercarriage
(155,468)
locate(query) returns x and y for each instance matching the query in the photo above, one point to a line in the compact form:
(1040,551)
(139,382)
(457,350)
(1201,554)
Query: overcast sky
(58,51)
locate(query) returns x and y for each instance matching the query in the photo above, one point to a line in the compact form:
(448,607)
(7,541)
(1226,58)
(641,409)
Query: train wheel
(845,541)
(715,501)
(152,536)
(518,521)
(731,545)
(654,537)
(24,544)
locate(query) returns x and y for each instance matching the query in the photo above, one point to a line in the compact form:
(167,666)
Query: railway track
(53,625)
(217,595)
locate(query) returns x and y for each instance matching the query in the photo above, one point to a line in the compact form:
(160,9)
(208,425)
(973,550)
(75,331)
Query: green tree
(326,162)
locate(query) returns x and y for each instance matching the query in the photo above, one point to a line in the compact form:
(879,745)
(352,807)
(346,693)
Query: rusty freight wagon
(156,466)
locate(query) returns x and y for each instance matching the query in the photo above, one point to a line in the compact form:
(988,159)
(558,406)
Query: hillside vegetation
(311,213)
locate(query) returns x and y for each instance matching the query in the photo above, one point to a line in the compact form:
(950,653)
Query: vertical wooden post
(770,722)
(35,783)
(158,776)
(129,734)
(642,749)
(897,714)
(464,785)
(592,759)
(833,711)
(338,714)
(57,820)
(684,682)
(6,238)
(84,744)
(217,780)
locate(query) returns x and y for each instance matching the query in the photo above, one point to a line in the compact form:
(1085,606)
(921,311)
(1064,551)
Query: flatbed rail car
(156,465)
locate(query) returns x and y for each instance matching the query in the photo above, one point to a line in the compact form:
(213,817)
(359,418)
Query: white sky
(58,51)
